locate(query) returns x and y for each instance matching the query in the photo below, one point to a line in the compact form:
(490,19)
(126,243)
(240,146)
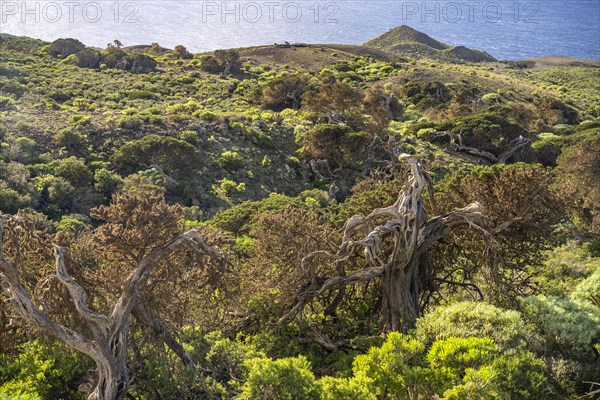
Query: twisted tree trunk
(108,345)
(393,251)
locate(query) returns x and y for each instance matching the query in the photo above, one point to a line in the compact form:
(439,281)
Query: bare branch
(161,330)
(514,146)
(138,277)
(77,293)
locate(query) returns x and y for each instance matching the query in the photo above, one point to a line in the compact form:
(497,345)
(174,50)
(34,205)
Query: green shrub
(6,102)
(454,368)
(477,319)
(231,160)
(229,186)
(60,96)
(11,200)
(205,115)
(594,248)
(565,267)
(153,150)
(240,218)
(455,355)
(65,47)
(107,182)
(55,190)
(7,394)
(70,224)
(80,120)
(130,122)
(522,376)
(344,389)
(589,289)
(565,326)
(491,98)
(70,139)
(283,379)
(45,370)
(394,370)
(192,137)
(73,169)
(140,94)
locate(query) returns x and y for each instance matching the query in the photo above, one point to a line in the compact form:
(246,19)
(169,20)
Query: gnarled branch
(393,241)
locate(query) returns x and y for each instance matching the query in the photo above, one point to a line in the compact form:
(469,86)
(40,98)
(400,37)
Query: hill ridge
(407,41)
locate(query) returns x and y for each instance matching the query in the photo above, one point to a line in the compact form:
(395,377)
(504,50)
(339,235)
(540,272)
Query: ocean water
(506,29)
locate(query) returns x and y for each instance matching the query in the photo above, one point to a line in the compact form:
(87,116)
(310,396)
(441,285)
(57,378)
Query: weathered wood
(514,146)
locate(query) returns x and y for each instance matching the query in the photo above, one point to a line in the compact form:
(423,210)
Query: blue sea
(506,29)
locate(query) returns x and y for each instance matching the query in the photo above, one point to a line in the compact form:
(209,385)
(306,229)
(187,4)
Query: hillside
(297,221)
(407,41)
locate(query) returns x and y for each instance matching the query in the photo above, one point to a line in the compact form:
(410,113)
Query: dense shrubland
(238,185)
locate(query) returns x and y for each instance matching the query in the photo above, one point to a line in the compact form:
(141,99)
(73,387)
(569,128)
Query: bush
(45,370)
(73,169)
(210,64)
(70,139)
(135,62)
(240,218)
(454,368)
(65,47)
(180,52)
(80,120)
(565,326)
(475,319)
(283,379)
(107,182)
(87,58)
(589,289)
(231,160)
(389,371)
(129,122)
(6,102)
(522,376)
(7,394)
(55,191)
(228,186)
(594,247)
(140,94)
(158,150)
(564,269)
(486,131)
(457,354)
(337,144)
(11,200)
(344,389)
(284,92)
(70,224)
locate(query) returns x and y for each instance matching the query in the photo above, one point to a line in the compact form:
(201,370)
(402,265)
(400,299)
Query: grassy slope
(406,41)
(264,139)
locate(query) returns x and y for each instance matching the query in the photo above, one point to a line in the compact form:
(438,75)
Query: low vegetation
(394,220)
